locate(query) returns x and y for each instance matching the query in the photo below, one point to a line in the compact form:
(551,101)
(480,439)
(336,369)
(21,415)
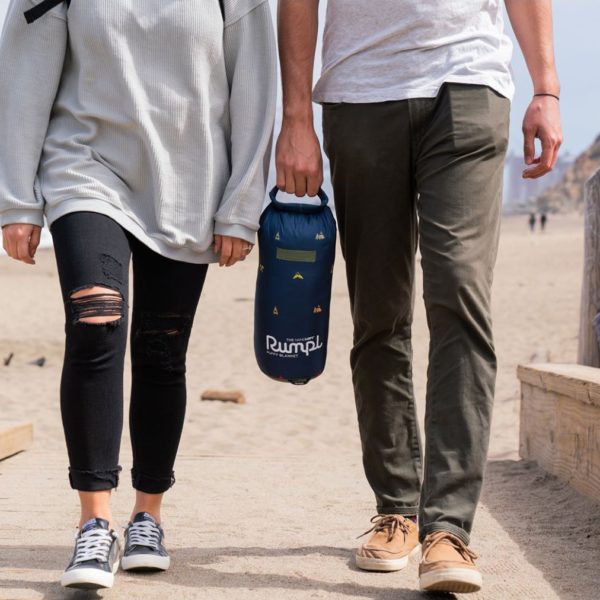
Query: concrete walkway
(284,540)
(275,511)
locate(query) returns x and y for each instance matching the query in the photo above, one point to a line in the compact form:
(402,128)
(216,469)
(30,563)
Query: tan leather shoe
(394,539)
(447,565)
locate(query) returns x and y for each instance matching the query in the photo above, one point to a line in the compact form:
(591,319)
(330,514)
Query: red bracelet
(548,94)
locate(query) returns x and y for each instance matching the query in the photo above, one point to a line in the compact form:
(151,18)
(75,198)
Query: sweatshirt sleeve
(31,63)
(251,64)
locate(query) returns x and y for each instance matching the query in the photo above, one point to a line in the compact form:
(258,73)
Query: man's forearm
(532,23)
(297,27)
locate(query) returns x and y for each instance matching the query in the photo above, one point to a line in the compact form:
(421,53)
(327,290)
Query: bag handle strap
(297,206)
(39,10)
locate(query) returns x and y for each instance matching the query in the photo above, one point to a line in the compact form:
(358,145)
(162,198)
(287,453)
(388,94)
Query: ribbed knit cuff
(235,230)
(19,215)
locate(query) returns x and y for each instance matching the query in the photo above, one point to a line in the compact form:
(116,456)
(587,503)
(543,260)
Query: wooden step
(15,436)
(560,422)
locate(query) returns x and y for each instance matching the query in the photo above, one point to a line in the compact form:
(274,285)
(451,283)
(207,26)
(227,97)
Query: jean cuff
(459,532)
(94,480)
(150,484)
(405,511)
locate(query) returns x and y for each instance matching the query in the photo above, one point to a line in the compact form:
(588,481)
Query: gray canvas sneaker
(95,558)
(144,548)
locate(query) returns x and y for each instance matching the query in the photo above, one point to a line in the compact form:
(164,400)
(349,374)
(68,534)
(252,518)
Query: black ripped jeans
(93,250)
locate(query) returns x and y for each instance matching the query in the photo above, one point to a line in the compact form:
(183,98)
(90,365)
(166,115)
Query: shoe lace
(389,524)
(93,545)
(443,537)
(144,533)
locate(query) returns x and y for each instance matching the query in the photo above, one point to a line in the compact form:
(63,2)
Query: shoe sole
(384,565)
(457,581)
(145,562)
(89,579)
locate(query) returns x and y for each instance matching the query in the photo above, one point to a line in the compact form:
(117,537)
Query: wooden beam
(560,423)
(575,381)
(14,437)
(234,396)
(589,352)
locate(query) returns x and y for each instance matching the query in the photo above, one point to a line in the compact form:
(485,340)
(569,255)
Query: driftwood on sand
(234,396)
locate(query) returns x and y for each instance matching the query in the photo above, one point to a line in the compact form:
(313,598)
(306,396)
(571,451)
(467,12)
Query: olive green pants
(424,171)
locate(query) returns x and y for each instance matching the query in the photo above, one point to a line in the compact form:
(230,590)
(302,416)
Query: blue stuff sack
(293,289)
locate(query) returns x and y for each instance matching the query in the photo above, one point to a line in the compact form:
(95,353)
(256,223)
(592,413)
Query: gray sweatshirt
(156,113)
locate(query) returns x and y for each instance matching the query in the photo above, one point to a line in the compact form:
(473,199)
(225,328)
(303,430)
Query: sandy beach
(270,495)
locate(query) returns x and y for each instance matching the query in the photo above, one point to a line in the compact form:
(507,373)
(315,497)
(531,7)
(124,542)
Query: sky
(577,50)
(577,46)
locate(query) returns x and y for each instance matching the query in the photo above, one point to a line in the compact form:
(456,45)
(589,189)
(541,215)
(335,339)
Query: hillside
(567,194)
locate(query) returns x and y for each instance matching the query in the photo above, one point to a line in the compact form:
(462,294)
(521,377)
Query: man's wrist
(547,95)
(547,85)
(298,114)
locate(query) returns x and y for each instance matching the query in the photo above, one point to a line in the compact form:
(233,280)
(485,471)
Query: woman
(139,128)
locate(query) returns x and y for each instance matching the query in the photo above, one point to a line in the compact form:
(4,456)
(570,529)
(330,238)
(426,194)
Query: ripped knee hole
(101,307)
(169,324)
(162,337)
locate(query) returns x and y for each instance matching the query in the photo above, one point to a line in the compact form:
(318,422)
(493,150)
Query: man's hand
(532,24)
(20,241)
(231,249)
(298,160)
(542,121)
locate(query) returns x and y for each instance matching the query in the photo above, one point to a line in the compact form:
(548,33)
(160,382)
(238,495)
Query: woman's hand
(20,241)
(231,249)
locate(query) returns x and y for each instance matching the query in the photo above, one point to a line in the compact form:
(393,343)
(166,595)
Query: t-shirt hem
(398,94)
(182,254)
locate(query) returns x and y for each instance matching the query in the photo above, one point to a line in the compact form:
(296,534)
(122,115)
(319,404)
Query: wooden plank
(588,351)
(577,456)
(575,381)
(561,433)
(14,437)
(538,425)
(234,396)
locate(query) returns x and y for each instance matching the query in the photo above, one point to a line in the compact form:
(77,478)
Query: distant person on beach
(142,131)
(416,99)
(543,221)
(532,221)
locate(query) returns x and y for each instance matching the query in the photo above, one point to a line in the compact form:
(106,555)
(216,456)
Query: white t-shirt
(399,49)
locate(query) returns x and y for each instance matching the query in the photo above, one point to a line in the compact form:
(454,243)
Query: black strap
(39,10)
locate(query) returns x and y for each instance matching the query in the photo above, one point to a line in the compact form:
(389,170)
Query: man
(416,99)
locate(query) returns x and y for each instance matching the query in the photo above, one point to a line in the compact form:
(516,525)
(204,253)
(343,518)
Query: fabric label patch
(307,256)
